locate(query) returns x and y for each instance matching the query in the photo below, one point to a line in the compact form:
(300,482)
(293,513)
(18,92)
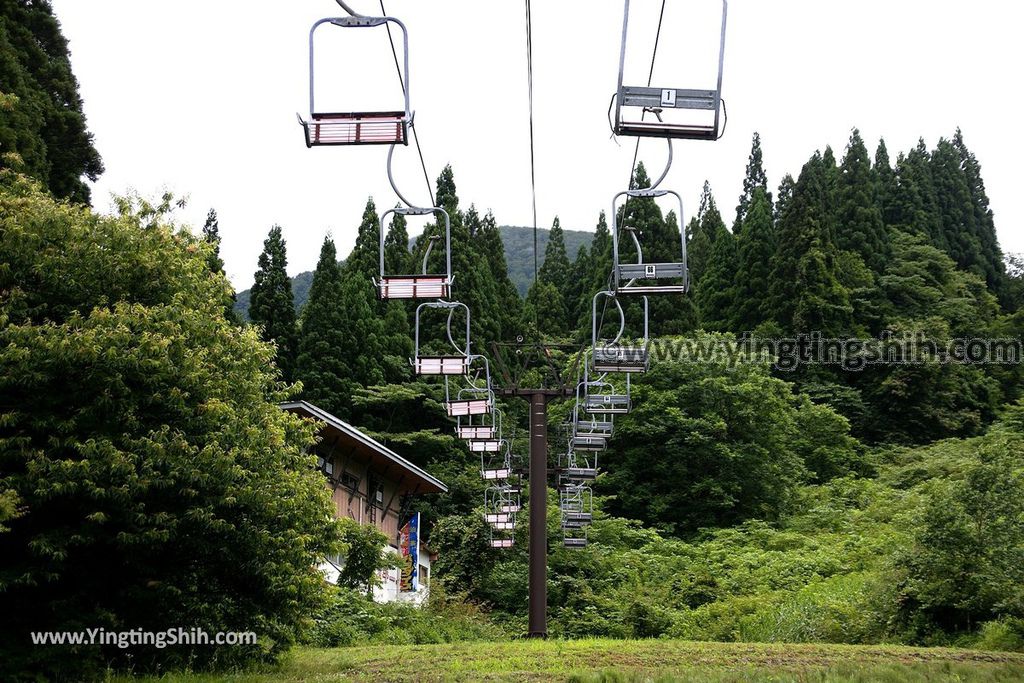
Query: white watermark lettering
(139,637)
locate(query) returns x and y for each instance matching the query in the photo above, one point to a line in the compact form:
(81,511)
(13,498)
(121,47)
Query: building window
(350,481)
(325,466)
(374,500)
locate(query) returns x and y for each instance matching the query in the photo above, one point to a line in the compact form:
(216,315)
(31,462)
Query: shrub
(158,484)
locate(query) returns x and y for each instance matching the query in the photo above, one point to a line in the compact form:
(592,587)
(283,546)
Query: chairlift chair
(589,442)
(484,445)
(451,364)
(629,99)
(500,500)
(486,428)
(576,468)
(611,356)
(475,432)
(594,427)
(423,285)
(471,401)
(601,399)
(357,127)
(576,503)
(647,278)
(497,466)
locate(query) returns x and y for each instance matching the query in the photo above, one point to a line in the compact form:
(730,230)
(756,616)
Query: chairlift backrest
(452,364)
(423,285)
(659,99)
(610,356)
(357,127)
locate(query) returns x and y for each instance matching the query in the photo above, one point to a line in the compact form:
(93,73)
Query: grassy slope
(656,660)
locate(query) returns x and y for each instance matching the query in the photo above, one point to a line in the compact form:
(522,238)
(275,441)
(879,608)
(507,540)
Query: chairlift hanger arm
(355,20)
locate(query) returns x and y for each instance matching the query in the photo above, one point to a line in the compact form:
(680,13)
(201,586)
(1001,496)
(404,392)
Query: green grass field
(615,660)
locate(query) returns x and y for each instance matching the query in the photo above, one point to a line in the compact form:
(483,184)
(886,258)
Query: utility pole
(538,472)
(538,491)
(538,515)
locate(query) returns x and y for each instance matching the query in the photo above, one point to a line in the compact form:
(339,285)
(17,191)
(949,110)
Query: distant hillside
(518,253)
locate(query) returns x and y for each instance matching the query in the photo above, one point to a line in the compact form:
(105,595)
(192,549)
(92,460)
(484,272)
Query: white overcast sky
(200,97)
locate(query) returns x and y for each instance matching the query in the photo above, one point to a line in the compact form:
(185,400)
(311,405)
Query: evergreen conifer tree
(861,229)
(474,284)
(365,256)
(707,227)
(956,209)
(556,268)
(510,305)
(42,120)
(755,248)
(755,178)
(396,247)
(887,189)
(984,223)
(577,291)
(320,364)
(916,208)
(271,304)
(803,288)
(715,296)
(785,194)
(211,235)
(545,307)
(362,340)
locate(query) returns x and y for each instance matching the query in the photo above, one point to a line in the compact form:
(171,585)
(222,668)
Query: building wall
(353,498)
(350,481)
(388,590)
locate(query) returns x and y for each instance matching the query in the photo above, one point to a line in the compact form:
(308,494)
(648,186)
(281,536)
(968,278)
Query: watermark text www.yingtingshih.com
(137,637)
(850,354)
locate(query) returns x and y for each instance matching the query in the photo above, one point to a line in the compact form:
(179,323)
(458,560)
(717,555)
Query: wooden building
(369,482)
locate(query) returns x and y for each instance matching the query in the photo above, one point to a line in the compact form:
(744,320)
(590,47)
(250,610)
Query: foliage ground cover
(618,660)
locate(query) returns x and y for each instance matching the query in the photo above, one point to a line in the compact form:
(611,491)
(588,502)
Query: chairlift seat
(476,432)
(595,427)
(413,287)
(484,446)
(501,542)
(496,517)
(441,365)
(574,542)
(474,406)
(356,128)
(620,359)
(580,473)
(643,273)
(668,98)
(503,526)
(574,524)
(503,473)
(510,508)
(579,516)
(606,404)
(589,442)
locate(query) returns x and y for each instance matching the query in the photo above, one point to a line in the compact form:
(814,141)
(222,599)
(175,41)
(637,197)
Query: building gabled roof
(419,479)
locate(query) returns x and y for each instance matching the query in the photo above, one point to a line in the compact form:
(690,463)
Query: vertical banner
(410,547)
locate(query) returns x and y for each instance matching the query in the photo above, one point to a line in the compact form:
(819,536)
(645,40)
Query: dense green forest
(518,244)
(147,476)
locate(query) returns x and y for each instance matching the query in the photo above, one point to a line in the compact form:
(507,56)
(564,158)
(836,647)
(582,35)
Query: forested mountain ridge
(518,244)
